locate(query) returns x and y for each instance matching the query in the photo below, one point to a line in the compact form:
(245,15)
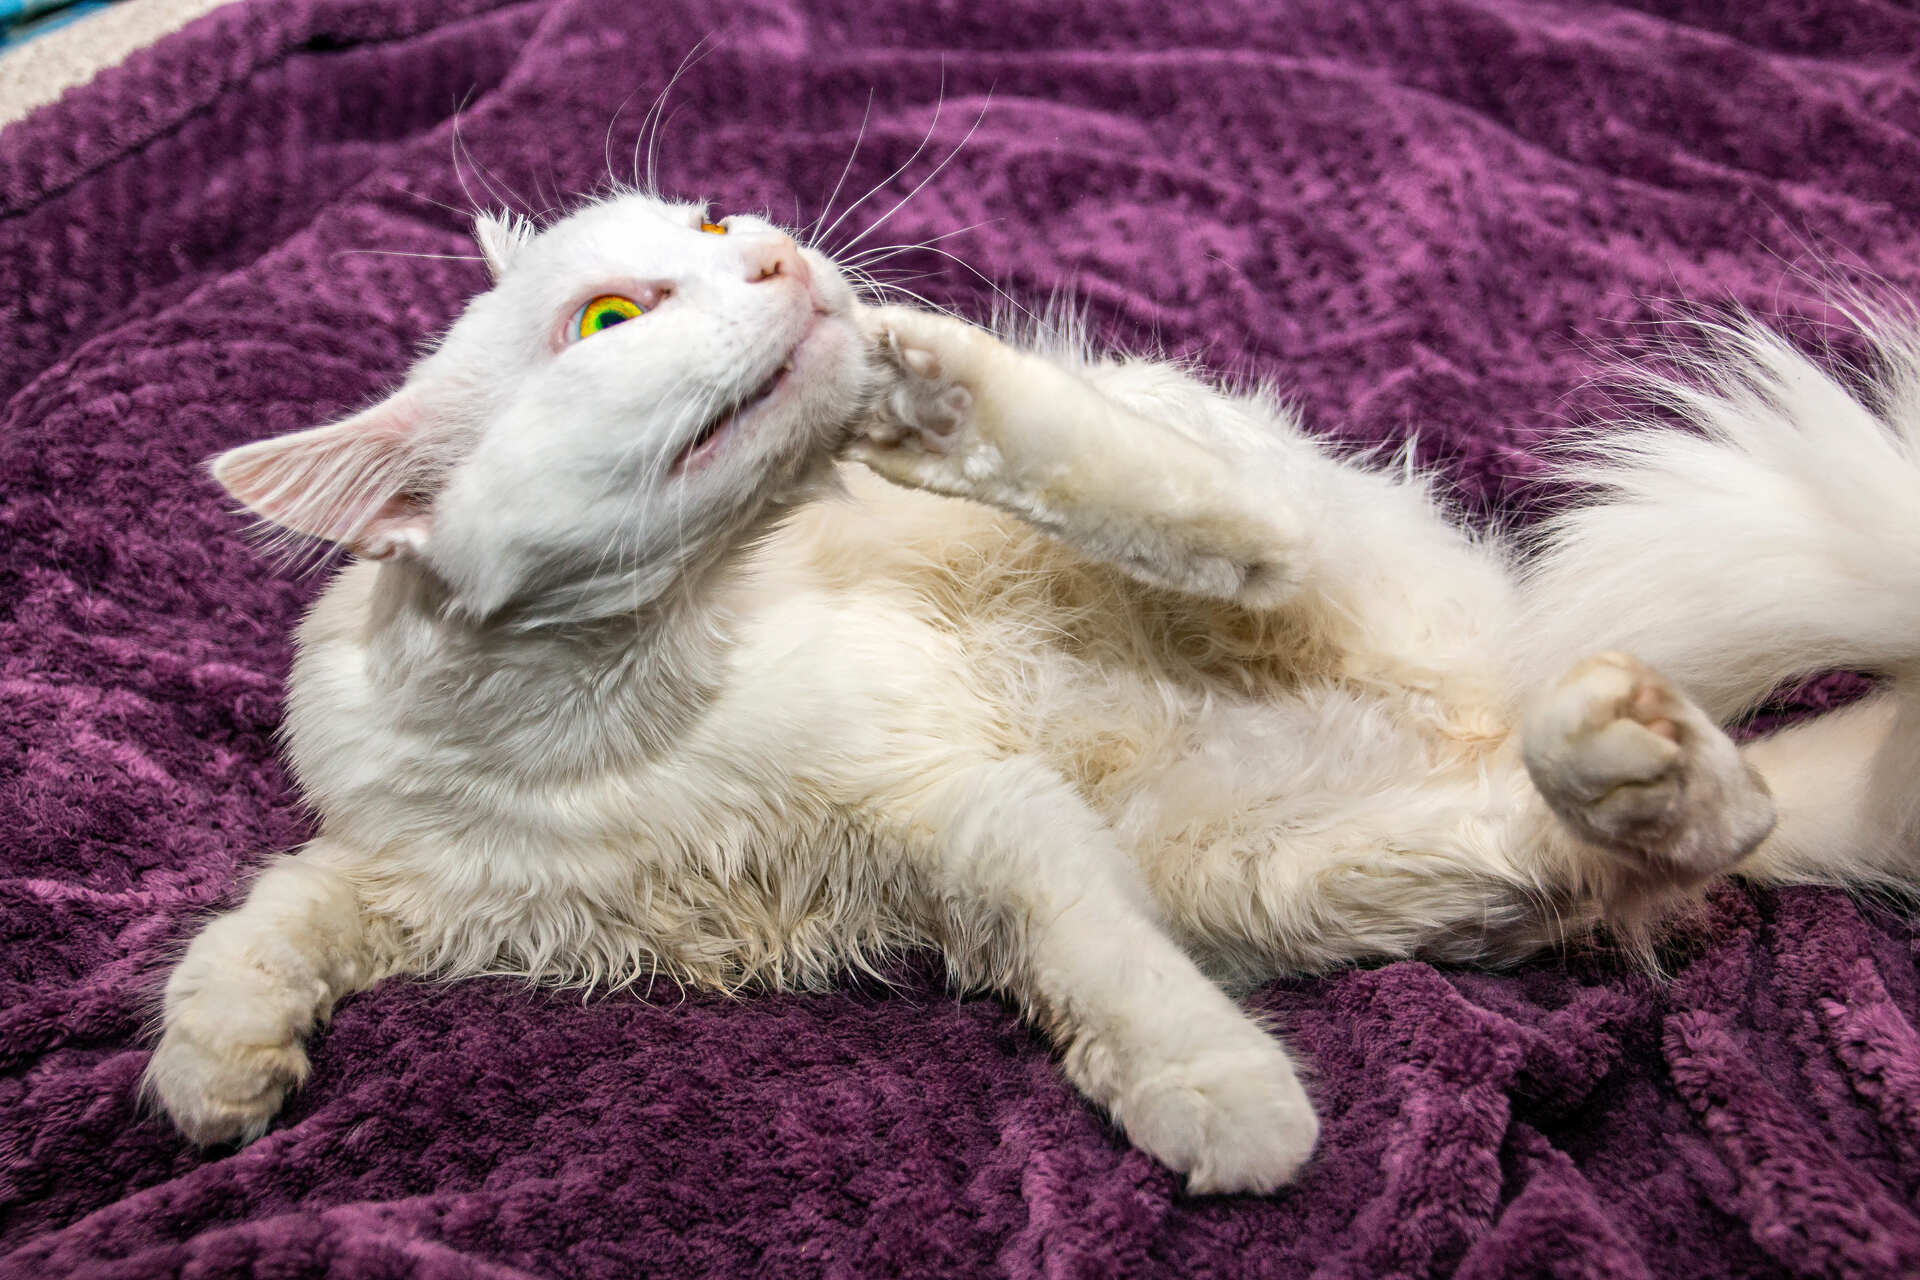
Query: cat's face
(637,385)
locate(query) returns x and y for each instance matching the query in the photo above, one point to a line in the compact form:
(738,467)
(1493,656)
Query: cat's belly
(1256,820)
(1162,763)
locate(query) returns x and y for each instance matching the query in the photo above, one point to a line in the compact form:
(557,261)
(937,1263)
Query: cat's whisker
(659,133)
(881,253)
(651,126)
(864,283)
(1004,296)
(402,253)
(453,153)
(511,199)
(548,203)
(1041,322)
(940,102)
(456,210)
(882,288)
(884,253)
(606,142)
(877,223)
(672,400)
(827,208)
(896,280)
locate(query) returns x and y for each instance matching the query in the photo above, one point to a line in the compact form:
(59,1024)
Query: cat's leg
(1633,767)
(970,416)
(1032,895)
(1844,784)
(252,986)
(1616,799)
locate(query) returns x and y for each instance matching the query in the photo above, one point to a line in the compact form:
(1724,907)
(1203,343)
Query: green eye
(604,312)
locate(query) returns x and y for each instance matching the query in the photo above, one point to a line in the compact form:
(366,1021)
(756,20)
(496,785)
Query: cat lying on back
(706,621)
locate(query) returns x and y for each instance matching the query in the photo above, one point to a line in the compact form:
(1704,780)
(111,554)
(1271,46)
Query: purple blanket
(1423,217)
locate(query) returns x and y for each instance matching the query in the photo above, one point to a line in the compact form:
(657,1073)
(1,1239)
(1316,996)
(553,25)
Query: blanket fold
(1427,219)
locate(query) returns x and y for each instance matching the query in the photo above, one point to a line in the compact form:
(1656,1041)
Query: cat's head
(636,389)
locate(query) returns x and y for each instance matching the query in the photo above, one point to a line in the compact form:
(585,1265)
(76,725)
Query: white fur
(1117,686)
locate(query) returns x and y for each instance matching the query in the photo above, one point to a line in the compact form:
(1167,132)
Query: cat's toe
(1232,1121)
(931,416)
(221,1092)
(921,431)
(919,361)
(1629,763)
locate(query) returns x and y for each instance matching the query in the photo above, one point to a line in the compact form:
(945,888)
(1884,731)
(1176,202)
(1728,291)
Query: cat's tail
(1774,534)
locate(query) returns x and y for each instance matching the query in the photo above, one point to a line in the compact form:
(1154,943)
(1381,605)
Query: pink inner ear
(346,483)
(401,524)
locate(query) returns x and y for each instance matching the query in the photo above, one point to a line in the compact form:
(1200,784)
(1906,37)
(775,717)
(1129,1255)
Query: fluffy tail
(1779,537)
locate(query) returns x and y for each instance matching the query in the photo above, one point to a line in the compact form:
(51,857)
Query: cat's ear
(357,482)
(500,236)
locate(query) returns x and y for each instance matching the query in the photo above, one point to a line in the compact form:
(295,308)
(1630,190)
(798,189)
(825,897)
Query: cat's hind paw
(1630,763)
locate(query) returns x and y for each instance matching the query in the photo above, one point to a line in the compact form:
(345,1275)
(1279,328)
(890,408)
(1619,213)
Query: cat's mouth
(710,439)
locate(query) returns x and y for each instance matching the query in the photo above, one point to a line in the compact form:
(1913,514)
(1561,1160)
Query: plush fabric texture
(1428,218)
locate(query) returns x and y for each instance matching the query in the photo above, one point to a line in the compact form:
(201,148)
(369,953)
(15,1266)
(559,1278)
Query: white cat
(1111,685)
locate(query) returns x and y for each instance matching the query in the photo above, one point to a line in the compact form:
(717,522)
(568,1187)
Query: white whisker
(881,220)
(939,104)
(651,126)
(882,252)
(845,169)
(401,253)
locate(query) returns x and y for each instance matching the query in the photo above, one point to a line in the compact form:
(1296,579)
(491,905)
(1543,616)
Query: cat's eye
(604,312)
(713,228)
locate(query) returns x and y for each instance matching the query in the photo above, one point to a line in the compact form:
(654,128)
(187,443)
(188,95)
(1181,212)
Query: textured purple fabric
(1421,217)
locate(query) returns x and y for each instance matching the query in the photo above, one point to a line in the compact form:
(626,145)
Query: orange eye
(713,228)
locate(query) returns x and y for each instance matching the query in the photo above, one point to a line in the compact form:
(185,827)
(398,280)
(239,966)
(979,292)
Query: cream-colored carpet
(44,68)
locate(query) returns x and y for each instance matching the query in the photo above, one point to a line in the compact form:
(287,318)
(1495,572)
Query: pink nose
(774,257)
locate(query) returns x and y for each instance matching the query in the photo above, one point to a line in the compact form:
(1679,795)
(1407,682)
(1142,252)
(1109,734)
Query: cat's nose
(777,257)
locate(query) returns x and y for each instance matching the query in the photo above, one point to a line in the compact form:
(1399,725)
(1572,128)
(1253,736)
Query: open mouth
(710,439)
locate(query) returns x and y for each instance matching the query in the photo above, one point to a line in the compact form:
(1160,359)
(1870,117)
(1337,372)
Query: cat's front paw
(926,429)
(1234,1120)
(926,406)
(220,1075)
